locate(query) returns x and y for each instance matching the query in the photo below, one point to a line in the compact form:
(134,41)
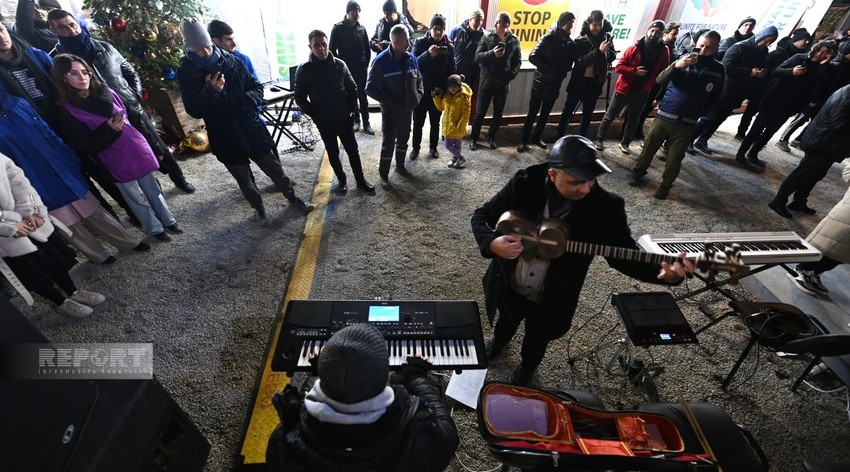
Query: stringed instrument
(550,238)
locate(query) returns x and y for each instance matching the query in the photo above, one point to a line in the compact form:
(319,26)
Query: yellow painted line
(264,417)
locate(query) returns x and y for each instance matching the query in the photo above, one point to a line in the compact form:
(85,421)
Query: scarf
(327,410)
(99,103)
(205,64)
(80,45)
(558,205)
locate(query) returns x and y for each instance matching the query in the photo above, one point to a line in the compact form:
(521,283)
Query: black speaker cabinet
(94,426)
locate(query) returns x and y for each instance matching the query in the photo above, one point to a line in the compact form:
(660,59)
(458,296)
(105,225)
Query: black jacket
(33,31)
(233,124)
(351,44)
(435,70)
(828,135)
(466,43)
(415,434)
(787,93)
(599,218)
(498,71)
(553,55)
(739,62)
(727,43)
(382,31)
(326,91)
(589,55)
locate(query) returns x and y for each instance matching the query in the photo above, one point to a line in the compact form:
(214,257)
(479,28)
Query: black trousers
(513,309)
(542,102)
(396,131)
(426,106)
(587,93)
(767,123)
(707,125)
(819,267)
(753,107)
(802,180)
(360,80)
(345,133)
(498,96)
(46,269)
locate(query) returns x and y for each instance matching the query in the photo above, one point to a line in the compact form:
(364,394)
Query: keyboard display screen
(383,313)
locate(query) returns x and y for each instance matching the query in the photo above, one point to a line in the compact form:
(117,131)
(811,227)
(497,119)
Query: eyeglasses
(80,73)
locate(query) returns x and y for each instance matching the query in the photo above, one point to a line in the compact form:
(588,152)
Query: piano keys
(448,333)
(778,247)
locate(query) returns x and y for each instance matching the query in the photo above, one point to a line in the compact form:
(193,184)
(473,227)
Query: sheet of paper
(466,386)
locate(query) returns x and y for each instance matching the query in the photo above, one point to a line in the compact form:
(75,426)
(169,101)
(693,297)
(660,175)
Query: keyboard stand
(276,113)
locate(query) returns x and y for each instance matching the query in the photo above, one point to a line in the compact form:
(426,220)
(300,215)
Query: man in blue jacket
(395,82)
(694,84)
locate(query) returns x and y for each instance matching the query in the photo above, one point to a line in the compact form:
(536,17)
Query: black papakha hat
(577,156)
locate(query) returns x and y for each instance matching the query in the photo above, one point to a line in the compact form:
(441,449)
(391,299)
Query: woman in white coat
(34,258)
(832,238)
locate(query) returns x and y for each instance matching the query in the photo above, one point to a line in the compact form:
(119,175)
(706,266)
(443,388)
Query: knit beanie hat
(768,32)
(438,20)
(49,3)
(195,36)
(477,13)
(564,18)
(354,364)
(352,5)
(748,19)
(657,24)
(389,7)
(700,33)
(800,33)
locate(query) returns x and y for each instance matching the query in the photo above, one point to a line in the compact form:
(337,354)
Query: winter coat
(740,60)
(727,43)
(631,60)
(498,72)
(828,135)
(466,43)
(599,218)
(832,234)
(351,44)
(435,70)
(125,153)
(52,167)
(326,91)
(690,92)
(589,56)
(39,64)
(553,55)
(456,109)
(787,93)
(35,32)
(395,84)
(382,31)
(416,433)
(232,121)
(19,199)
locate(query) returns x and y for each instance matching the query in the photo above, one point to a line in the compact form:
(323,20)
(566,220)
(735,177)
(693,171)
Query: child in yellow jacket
(455,105)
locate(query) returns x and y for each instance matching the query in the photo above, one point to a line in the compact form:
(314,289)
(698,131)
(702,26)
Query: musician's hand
(414,367)
(507,246)
(674,273)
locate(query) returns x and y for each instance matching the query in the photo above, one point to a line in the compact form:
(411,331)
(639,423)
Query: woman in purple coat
(94,120)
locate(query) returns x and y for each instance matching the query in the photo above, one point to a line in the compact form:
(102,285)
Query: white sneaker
(624,148)
(74,309)
(801,283)
(88,298)
(814,280)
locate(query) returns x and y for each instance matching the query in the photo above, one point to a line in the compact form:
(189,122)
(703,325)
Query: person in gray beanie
(217,87)
(352,419)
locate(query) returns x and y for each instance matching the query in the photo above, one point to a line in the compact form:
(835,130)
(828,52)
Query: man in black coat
(825,141)
(350,419)
(120,76)
(523,284)
(553,55)
(350,42)
(436,56)
(217,87)
(380,41)
(743,33)
(326,91)
(500,57)
(31,23)
(745,64)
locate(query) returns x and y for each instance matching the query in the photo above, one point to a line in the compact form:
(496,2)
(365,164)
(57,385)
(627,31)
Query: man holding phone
(692,85)
(436,56)
(500,58)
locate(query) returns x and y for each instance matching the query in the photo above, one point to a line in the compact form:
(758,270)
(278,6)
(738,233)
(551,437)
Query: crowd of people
(72,117)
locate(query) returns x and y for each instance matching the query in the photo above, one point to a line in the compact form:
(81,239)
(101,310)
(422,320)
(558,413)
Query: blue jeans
(146,201)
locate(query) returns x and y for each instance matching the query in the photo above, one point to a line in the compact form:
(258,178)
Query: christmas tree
(146,32)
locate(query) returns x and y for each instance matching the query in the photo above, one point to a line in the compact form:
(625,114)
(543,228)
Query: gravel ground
(208,299)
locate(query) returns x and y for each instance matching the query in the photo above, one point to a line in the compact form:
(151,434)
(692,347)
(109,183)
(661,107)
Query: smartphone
(696,51)
(442,50)
(501,45)
(118,114)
